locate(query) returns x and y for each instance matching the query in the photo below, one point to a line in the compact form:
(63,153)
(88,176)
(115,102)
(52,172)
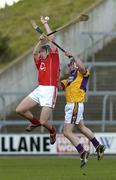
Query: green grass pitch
(56,168)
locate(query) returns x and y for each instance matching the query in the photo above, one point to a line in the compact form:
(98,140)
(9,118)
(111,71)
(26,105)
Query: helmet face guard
(72,61)
(45,47)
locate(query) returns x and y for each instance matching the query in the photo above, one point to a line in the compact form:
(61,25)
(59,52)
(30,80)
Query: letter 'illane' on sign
(22,145)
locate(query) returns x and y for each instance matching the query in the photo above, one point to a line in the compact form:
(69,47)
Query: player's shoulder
(86,73)
(36,58)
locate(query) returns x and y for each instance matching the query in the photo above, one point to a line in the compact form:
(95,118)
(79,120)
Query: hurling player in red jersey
(46,58)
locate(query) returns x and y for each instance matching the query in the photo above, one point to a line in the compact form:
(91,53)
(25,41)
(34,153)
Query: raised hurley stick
(80,18)
(36,27)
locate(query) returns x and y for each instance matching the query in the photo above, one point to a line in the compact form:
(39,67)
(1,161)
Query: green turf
(56,168)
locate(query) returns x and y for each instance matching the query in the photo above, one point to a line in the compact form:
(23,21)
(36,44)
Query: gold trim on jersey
(75,113)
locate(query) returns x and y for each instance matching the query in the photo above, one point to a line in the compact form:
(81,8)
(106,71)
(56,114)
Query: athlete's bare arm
(37,48)
(80,65)
(48,30)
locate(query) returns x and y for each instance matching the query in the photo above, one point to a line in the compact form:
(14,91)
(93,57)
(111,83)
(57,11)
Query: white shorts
(74,113)
(44,95)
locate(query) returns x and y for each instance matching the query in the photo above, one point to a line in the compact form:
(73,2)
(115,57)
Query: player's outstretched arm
(78,62)
(48,30)
(47,27)
(80,65)
(37,47)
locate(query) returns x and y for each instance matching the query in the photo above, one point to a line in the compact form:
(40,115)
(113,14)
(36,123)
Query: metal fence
(100,105)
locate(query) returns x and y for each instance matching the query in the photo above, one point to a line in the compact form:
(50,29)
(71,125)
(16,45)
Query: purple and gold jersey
(75,86)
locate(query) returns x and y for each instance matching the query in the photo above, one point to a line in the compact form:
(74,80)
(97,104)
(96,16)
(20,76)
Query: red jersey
(48,69)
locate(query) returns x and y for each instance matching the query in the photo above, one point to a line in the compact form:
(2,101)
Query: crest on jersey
(42,66)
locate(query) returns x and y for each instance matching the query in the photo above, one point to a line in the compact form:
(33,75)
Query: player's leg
(34,98)
(44,116)
(70,120)
(87,132)
(90,135)
(47,102)
(67,131)
(24,110)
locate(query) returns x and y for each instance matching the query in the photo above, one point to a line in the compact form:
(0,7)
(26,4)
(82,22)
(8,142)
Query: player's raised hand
(43,20)
(68,54)
(42,37)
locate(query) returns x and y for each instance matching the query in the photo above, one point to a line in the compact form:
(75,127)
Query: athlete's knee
(65,132)
(42,122)
(82,128)
(19,110)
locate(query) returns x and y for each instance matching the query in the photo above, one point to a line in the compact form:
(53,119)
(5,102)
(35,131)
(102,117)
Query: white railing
(107,96)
